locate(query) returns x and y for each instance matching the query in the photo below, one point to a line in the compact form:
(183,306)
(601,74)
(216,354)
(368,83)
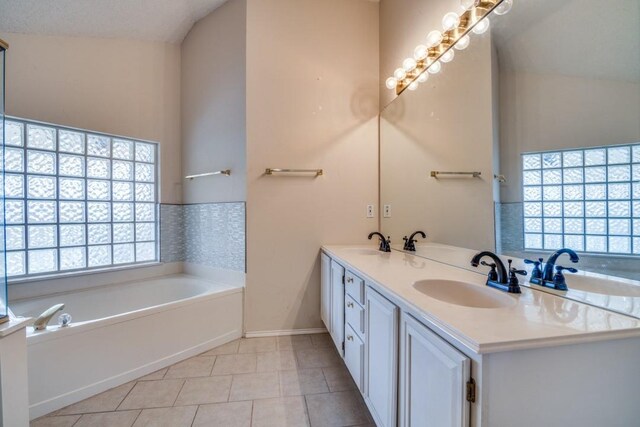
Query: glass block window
(77,200)
(587,200)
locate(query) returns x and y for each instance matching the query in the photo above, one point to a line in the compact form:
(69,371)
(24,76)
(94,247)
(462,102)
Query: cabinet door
(337,305)
(433,377)
(382,357)
(325,291)
(354,355)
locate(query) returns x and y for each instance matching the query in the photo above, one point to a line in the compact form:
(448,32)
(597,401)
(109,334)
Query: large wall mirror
(541,114)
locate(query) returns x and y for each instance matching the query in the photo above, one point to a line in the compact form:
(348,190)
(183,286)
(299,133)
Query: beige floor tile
(344,408)
(280,412)
(108,419)
(318,358)
(197,391)
(339,379)
(234,414)
(62,421)
(167,417)
(255,345)
(276,361)
(190,368)
(152,394)
(234,364)
(304,381)
(294,342)
(103,402)
(322,340)
(228,348)
(157,375)
(254,386)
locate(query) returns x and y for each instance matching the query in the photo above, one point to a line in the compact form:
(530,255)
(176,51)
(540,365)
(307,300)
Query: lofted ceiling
(151,20)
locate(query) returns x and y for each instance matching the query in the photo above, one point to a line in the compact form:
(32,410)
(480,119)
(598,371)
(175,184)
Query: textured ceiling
(586,38)
(154,20)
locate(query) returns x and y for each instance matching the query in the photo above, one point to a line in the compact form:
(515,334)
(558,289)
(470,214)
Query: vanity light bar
(427,59)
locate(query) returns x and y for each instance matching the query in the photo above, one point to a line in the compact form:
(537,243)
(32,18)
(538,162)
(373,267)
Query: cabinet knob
(349,279)
(349,304)
(350,337)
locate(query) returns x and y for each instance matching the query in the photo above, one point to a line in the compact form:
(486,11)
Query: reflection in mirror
(550,102)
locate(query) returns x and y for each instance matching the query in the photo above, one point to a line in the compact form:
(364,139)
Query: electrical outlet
(387,211)
(370,211)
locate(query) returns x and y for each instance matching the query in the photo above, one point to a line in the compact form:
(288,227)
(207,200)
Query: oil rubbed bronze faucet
(409,242)
(385,244)
(546,277)
(503,279)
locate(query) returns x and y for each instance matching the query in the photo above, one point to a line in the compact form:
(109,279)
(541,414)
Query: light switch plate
(387,211)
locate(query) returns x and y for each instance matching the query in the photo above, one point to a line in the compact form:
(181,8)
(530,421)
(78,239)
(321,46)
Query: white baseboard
(284,332)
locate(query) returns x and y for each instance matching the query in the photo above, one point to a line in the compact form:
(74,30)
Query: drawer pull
(350,304)
(350,337)
(349,279)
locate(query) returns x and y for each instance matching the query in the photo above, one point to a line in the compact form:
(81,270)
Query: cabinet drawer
(354,286)
(354,315)
(354,355)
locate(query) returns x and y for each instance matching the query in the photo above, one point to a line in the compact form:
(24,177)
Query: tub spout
(43,320)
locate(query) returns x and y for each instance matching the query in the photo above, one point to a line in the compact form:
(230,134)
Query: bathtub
(123,331)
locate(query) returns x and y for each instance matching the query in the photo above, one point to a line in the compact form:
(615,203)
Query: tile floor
(277,381)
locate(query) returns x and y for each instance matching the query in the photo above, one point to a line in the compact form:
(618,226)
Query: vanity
(429,344)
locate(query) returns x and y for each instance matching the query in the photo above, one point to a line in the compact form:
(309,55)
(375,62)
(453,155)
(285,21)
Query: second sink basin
(365,251)
(465,294)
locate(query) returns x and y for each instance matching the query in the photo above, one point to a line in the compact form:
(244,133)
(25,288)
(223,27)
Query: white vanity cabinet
(381,358)
(325,290)
(433,379)
(336,327)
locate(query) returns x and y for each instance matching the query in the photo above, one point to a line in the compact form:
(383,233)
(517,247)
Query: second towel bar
(271,171)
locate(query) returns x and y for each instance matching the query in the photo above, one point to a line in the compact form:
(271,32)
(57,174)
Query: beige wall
(123,87)
(404,24)
(445,125)
(312,101)
(214,105)
(541,112)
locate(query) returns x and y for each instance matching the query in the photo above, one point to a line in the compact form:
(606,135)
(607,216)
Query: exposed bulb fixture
(469,4)
(482,26)
(435,67)
(463,43)
(447,56)
(450,21)
(434,38)
(457,26)
(503,8)
(399,74)
(420,52)
(409,64)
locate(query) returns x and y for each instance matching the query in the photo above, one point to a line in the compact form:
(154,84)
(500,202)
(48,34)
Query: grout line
(125,396)
(137,416)
(184,381)
(195,415)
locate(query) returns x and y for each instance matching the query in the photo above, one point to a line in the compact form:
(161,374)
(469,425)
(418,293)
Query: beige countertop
(535,319)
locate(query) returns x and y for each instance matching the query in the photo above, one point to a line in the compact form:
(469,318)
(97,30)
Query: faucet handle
(559,269)
(559,281)
(493,274)
(536,273)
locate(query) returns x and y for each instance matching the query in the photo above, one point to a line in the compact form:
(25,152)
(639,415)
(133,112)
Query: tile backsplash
(209,234)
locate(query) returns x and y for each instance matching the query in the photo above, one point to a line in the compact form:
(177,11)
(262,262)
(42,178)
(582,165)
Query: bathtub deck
(276,381)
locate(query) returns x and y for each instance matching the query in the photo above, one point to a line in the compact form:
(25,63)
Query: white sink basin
(465,294)
(364,251)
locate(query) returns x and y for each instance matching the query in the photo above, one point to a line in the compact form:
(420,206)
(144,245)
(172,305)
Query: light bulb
(482,26)
(503,8)
(423,77)
(420,52)
(463,43)
(469,4)
(435,67)
(391,83)
(399,74)
(450,21)
(409,64)
(447,56)
(413,85)
(434,38)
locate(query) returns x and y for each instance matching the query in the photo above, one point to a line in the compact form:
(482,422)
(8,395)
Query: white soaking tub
(123,331)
